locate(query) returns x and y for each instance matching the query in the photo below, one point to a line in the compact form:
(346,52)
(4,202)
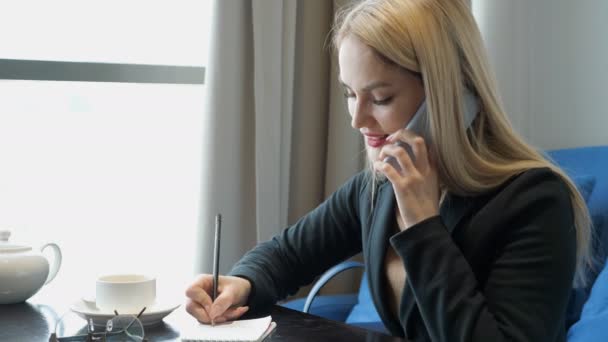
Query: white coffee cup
(125,293)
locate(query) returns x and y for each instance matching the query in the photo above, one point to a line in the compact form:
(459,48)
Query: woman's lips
(375,140)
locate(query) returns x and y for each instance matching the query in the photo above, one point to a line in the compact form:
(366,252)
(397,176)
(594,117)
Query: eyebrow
(371,86)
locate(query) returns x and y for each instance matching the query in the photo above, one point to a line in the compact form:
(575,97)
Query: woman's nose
(358,115)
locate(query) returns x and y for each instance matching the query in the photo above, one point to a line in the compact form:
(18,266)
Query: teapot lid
(9,248)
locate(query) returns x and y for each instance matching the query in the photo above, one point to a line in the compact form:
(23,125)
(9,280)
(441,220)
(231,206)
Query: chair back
(584,163)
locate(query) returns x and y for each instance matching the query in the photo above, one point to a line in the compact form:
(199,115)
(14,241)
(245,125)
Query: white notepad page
(243,330)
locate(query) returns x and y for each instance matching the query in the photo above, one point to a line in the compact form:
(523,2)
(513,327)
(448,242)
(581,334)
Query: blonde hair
(440,40)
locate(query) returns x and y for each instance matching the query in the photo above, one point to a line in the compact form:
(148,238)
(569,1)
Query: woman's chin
(373,154)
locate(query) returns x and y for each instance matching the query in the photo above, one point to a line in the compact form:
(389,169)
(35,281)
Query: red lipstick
(375,140)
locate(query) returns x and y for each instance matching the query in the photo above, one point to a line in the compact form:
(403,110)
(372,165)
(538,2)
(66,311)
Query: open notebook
(243,330)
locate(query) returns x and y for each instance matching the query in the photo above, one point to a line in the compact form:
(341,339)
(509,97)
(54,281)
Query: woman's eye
(383,101)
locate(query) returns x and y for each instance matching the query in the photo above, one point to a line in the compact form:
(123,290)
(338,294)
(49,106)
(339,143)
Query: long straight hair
(440,40)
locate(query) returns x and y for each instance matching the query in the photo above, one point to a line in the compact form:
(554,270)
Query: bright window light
(109,31)
(108,171)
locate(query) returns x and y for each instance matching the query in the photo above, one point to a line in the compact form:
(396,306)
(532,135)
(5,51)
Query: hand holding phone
(393,161)
(419,125)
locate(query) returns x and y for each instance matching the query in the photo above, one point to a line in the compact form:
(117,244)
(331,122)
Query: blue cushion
(593,324)
(585,185)
(335,307)
(582,164)
(364,310)
(591,161)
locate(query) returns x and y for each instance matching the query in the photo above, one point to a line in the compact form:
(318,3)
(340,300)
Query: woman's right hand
(233,293)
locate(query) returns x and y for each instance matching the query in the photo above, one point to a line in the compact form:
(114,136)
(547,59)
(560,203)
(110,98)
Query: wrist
(245,286)
(419,219)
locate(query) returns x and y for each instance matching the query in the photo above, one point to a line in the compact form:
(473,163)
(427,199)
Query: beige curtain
(277,138)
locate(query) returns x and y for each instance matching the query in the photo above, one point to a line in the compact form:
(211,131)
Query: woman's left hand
(416,186)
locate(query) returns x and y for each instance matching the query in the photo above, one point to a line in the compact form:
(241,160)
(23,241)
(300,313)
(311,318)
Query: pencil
(216,256)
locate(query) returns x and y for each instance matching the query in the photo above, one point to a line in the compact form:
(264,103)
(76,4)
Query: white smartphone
(419,124)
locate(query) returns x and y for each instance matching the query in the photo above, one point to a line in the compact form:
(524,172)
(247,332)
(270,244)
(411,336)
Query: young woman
(468,233)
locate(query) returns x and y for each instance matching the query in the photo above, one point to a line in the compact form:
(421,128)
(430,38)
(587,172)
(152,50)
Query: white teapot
(23,271)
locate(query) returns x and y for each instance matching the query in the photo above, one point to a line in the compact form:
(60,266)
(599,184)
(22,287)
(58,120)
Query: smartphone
(419,125)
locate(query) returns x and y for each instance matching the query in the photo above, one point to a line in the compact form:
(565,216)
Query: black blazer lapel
(382,223)
(454,209)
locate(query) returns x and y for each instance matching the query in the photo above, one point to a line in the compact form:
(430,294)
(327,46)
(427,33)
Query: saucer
(153,314)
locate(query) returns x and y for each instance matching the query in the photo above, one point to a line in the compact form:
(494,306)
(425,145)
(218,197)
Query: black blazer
(496,267)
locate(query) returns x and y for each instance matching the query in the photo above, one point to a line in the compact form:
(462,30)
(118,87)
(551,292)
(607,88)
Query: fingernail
(212,323)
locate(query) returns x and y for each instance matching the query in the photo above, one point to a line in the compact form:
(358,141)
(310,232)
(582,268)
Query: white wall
(551,62)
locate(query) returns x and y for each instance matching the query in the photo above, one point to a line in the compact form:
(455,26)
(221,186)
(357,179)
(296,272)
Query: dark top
(495,267)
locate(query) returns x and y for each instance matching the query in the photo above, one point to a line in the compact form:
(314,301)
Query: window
(110,31)
(100,134)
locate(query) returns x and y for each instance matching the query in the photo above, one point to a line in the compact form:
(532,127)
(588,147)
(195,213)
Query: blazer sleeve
(525,295)
(293,258)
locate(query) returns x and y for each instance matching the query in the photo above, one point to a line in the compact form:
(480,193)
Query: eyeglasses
(116,329)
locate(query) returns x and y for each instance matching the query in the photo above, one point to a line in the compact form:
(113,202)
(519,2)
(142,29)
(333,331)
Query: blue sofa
(588,307)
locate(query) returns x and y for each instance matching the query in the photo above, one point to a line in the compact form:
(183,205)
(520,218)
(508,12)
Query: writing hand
(233,293)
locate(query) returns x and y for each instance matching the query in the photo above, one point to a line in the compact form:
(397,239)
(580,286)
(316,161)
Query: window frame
(42,70)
